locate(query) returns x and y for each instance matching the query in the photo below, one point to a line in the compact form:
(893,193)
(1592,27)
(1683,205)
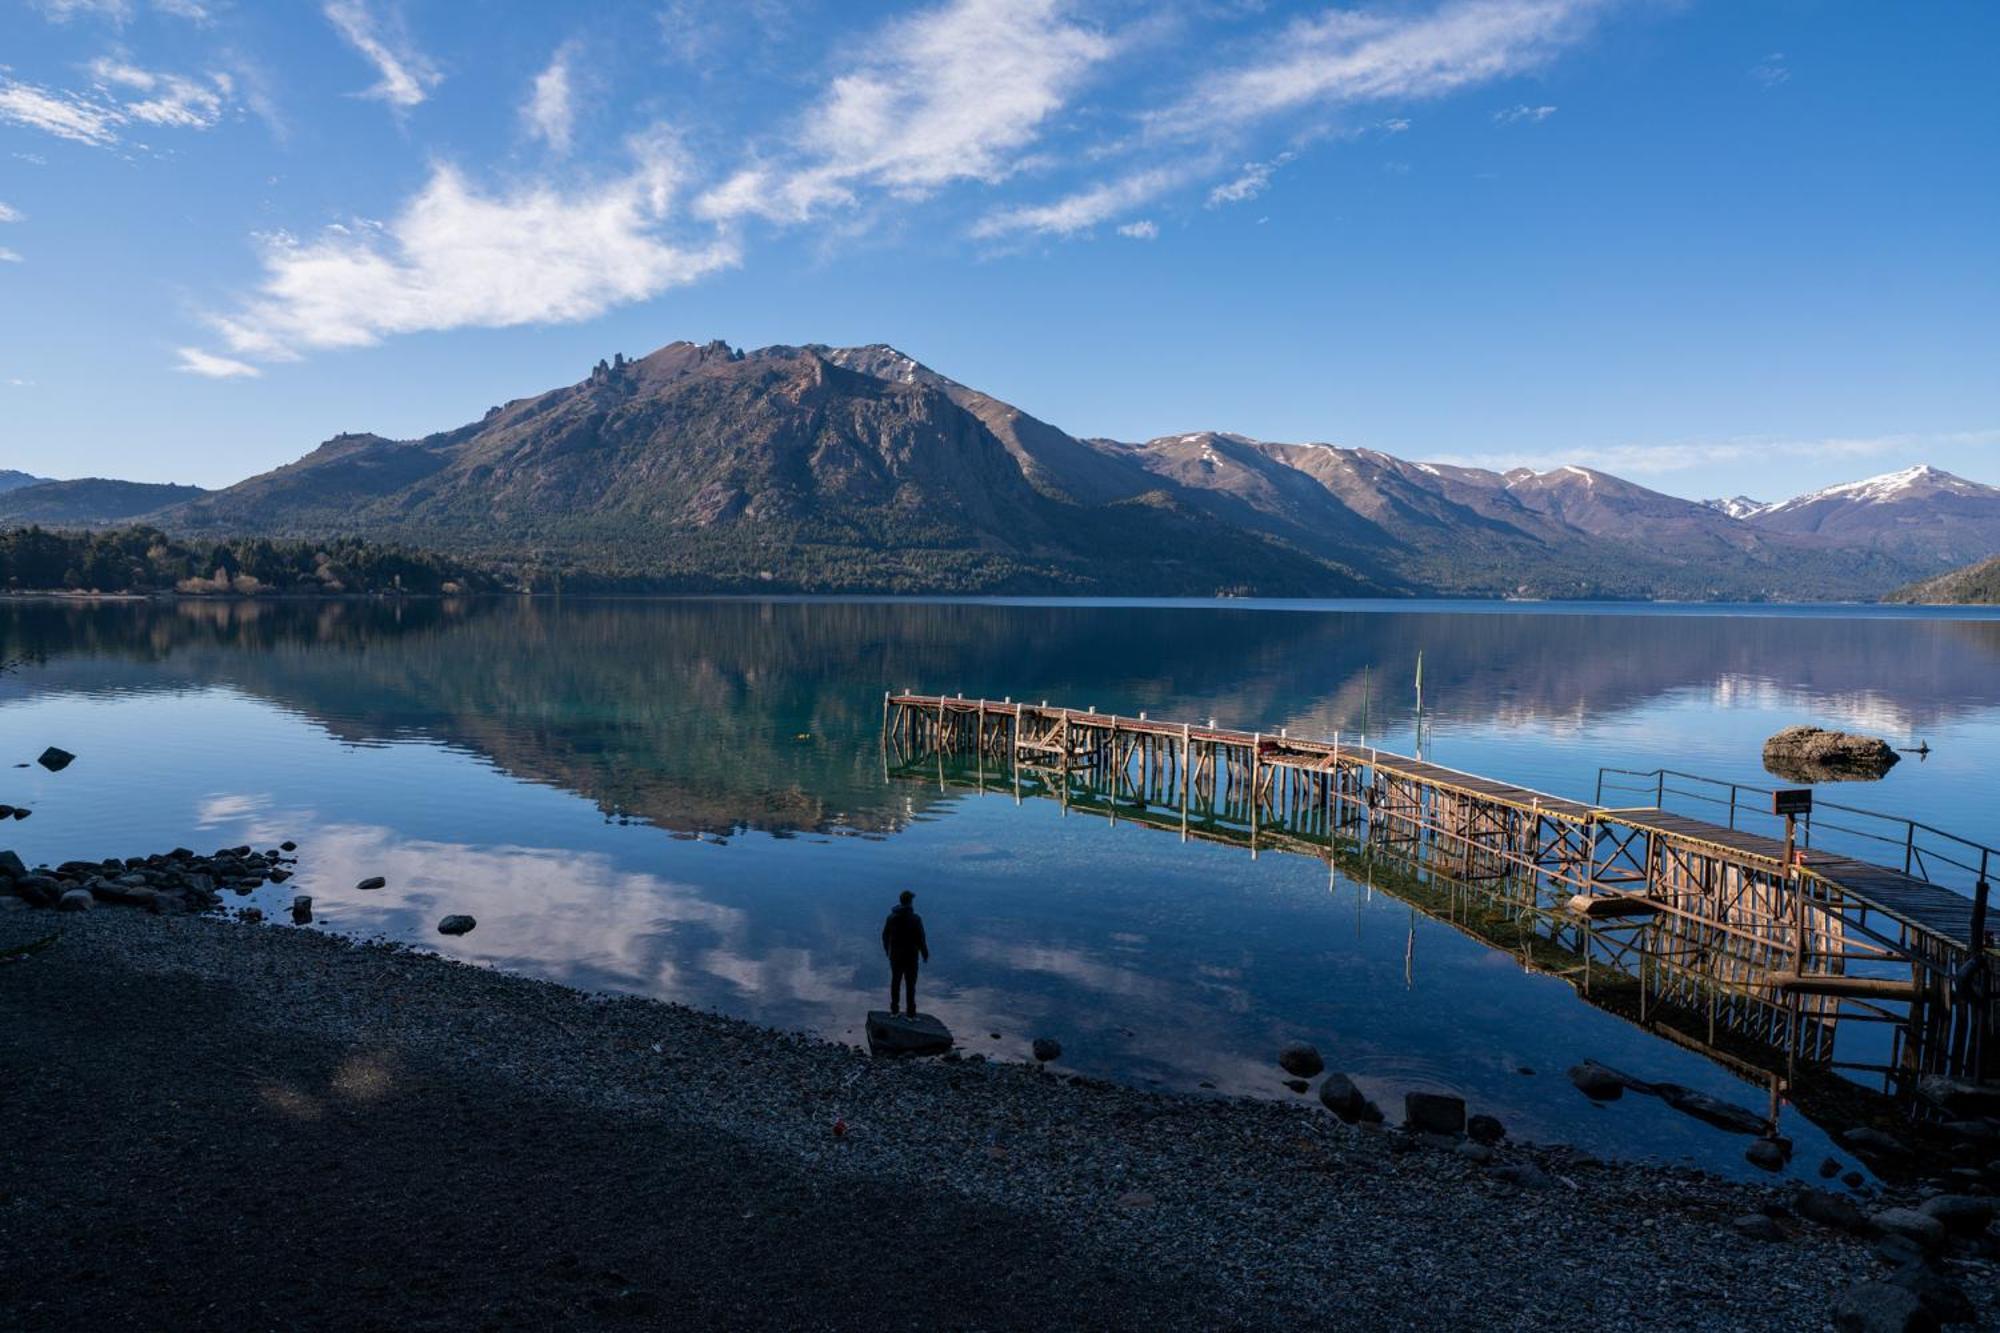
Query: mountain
(1975,585)
(1922,512)
(11,480)
(704,467)
(90,501)
(701,467)
(1737,506)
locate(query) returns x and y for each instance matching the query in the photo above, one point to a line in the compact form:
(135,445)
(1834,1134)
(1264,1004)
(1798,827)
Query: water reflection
(482,756)
(723,716)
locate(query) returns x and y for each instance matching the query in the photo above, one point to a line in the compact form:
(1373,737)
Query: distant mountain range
(702,467)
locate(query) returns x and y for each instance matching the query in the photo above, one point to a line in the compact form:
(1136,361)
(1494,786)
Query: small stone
(1298,1084)
(1961,1214)
(1339,1095)
(1765,1155)
(1854,1180)
(38,890)
(1758,1227)
(1474,1152)
(56,760)
(1522,1175)
(22,813)
(288,847)
(1485,1129)
(1434,1112)
(373,882)
(251,915)
(1945,1299)
(302,910)
(75,900)
(1881,1307)
(1829,1168)
(1922,1228)
(456,924)
(1046,1049)
(1831,1210)
(906,1034)
(1596,1082)
(1898,1251)
(1301,1058)
(1871,1142)
(1959,1097)
(279,876)
(11,866)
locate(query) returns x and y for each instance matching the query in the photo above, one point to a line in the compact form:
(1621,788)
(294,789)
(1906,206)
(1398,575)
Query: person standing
(903,940)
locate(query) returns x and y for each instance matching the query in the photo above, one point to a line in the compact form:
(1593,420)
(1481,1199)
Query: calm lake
(686,799)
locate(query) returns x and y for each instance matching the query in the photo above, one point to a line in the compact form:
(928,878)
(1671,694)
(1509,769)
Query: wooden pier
(1706,922)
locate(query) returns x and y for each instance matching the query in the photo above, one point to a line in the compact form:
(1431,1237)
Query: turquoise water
(686,799)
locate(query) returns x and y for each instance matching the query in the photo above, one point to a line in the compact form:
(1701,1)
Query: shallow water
(686,799)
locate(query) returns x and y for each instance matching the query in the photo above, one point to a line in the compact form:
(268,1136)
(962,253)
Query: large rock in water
(916,1034)
(1814,754)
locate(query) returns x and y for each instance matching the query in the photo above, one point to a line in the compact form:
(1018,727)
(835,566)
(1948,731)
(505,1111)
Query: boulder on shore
(1338,1093)
(456,924)
(1814,754)
(906,1034)
(55,760)
(1434,1112)
(1046,1049)
(1301,1058)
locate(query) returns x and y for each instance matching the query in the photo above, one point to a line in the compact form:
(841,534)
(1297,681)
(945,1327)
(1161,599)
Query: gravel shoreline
(213,1124)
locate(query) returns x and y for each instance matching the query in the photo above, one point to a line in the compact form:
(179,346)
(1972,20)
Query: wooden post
(1187,774)
(1256,774)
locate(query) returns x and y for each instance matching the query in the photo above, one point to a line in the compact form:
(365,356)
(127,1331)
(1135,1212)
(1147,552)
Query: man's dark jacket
(903,936)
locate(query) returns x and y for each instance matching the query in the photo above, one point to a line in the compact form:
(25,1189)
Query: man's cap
(909,897)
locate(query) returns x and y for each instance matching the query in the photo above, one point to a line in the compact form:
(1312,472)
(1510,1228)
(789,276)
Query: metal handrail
(1979,860)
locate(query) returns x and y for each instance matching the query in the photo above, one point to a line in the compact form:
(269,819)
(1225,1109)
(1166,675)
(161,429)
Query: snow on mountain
(1920,511)
(1738,506)
(1912,483)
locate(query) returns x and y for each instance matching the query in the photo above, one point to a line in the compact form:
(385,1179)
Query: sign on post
(1798,801)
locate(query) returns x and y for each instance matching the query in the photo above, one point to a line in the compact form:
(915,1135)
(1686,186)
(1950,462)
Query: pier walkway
(1706,918)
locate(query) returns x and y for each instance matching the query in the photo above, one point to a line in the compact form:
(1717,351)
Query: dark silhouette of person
(903,940)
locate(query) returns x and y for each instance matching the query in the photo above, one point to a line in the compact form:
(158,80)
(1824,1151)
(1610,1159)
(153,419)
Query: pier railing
(1923,851)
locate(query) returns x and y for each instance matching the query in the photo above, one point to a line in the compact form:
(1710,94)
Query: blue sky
(1716,247)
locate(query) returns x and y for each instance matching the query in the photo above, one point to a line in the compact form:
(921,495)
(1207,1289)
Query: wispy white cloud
(1084,209)
(191,10)
(1771,70)
(1344,57)
(62,11)
(1515,115)
(1248,185)
(957,92)
(194,361)
(550,111)
(1336,59)
(456,257)
(62,114)
(1145,229)
(121,94)
(9,213)
(9,256)
(157,98)
(407,75)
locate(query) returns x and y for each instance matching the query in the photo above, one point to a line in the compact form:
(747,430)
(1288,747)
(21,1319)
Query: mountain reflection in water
(736,841)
